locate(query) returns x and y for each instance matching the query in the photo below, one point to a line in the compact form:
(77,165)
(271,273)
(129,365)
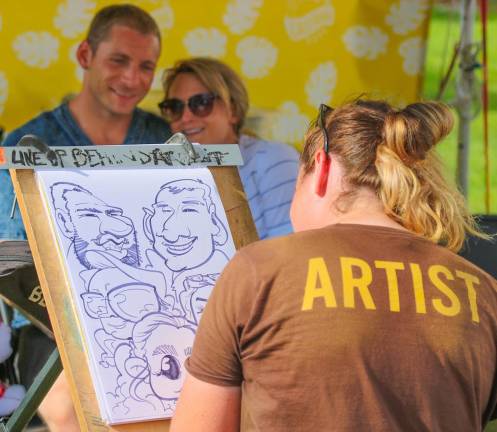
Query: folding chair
(20,289)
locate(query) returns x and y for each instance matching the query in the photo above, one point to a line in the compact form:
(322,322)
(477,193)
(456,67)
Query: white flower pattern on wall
(412,50)
(299,28)
(4,91)
(241,15)
(290,123)
(205,42)
(311,31)
(36,49)
(157,81)
(258,56)
(73,17)
(365,42)
(164,16)
(321,84)
(406,15)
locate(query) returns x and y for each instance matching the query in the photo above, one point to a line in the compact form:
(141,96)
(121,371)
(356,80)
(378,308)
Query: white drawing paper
(142,250)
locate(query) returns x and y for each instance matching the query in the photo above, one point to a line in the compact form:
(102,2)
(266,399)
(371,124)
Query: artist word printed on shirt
(143,252)
(431,289)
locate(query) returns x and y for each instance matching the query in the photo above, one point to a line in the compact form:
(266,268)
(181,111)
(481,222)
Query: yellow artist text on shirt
(357,276)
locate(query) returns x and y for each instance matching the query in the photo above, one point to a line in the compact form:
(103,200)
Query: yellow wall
(292,54)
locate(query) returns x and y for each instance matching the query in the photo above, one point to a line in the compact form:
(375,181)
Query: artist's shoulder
(274,250)
(156,128)
(41,125)
(266,152)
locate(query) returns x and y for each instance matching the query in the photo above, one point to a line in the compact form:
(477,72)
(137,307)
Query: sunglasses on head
(323,111)
(200,105)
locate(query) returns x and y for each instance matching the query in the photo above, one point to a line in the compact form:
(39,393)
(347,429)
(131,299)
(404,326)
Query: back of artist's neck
(363,209)
(100,126)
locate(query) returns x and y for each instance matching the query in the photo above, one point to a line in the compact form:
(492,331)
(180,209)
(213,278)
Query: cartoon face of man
(183,225)
(92,224)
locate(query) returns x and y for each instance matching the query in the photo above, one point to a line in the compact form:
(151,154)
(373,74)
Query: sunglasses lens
(201,105)
(172,109)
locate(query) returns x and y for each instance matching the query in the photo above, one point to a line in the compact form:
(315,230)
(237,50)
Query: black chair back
(481,252)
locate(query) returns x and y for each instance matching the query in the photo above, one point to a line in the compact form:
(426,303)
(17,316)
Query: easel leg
(35,394)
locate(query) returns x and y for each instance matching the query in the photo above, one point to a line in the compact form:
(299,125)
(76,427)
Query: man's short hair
(123,14)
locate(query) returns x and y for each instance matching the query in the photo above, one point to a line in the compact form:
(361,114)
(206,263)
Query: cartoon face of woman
(166,356)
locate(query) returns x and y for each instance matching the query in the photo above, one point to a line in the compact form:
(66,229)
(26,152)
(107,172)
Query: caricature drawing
(181,244)
(104,242)
(91,224)
(139,292)
(151,366)
(193,297)
(164,356)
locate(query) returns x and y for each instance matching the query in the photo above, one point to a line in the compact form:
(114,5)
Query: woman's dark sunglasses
(200,105)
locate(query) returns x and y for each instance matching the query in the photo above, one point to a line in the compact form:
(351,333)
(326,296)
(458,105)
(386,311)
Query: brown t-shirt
(353,328)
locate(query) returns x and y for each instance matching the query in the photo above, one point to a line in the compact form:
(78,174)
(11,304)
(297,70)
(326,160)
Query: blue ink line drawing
(91,224)
(141,293)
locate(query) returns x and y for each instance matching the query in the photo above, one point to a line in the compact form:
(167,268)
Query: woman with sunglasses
(364,319)
(207,101)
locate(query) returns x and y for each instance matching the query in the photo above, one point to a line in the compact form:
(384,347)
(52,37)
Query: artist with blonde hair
(365,318)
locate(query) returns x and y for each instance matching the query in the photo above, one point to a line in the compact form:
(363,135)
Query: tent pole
(465,92)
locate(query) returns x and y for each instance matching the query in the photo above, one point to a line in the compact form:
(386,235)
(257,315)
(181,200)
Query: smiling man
(118,56)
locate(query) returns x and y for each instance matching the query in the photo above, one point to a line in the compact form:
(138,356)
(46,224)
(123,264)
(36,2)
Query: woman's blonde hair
(391,151)
(218,78)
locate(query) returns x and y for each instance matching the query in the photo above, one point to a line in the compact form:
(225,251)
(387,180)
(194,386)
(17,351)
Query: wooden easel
(56,289)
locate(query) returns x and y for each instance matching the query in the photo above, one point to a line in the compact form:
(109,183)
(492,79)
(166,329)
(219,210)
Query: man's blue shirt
(59,128)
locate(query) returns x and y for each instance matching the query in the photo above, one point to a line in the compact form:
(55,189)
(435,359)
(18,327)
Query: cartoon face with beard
(91,224)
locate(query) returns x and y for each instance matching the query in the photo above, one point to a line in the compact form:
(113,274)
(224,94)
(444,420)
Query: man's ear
(84,54)
(64,224)
(322,162)
(220,236)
